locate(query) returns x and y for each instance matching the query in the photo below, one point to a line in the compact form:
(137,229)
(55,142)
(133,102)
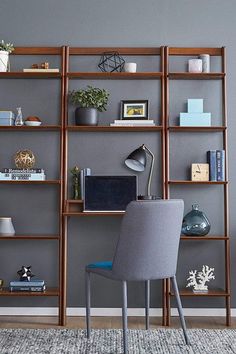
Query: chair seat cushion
(104,265)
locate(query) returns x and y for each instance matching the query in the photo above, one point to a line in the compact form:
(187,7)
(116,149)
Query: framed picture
(134,109)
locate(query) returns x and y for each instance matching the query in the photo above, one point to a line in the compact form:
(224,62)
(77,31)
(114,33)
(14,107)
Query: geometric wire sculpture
(111,61)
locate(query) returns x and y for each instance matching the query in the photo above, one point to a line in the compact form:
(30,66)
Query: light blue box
(6,114)
(195,105)
(6,121)
(195,119)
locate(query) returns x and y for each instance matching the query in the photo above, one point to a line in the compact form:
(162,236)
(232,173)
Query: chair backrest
(149,240)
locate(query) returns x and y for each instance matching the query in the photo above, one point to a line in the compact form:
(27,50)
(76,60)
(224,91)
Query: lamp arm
(151,168)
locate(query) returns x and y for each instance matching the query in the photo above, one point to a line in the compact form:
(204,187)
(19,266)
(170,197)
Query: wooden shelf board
(197,129)
(93,213)
(215,292)
(32,182)
(107,128)
(37,51)
(204,238)
(23,75)
(115,75)
(196,76)
(30,237)
(195,51)
(121,50)
(28,128)
(195,182)
(47,292)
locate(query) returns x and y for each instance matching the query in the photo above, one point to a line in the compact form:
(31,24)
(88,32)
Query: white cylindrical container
(6,227)
(205,62)
(195,65)
(130,67)
(4,58)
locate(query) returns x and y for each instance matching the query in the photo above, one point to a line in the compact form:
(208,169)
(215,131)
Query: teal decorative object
(195,223)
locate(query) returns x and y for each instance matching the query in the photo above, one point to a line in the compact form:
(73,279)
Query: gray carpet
(160,341)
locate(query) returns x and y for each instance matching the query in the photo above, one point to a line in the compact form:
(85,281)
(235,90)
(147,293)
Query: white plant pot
(4,60)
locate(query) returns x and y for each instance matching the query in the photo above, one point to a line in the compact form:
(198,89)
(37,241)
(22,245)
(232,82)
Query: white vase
(130,67)
(6,227)
(4,60)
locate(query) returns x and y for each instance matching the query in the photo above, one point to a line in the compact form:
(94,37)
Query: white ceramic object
(130,67)
(195,65)
(205,62)
(31,123)
(6,227)
(4,59)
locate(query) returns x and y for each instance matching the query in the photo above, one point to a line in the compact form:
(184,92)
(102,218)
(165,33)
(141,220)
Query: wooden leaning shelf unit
(70,208)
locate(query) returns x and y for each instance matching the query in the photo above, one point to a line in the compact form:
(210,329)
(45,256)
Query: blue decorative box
(7,121)
(6,114)
(195,119)
(195,105)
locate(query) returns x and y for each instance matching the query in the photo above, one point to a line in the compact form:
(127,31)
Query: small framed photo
(134,110)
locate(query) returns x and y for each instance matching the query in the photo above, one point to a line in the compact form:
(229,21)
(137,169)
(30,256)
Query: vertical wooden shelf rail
(226,192)
(226,293)
(62,243)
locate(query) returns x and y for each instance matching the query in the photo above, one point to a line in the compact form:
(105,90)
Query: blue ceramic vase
(195,223)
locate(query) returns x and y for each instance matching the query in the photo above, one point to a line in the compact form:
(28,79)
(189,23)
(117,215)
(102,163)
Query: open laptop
(109,193)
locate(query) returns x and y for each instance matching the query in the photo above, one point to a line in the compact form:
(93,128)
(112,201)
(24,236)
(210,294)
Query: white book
(41,70)
(132,125)
(133,121)
(22,177)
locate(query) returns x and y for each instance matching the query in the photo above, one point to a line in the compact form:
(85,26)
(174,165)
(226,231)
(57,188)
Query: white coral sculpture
(198,279)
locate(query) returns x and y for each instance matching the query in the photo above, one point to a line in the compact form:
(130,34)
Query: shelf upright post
(63,240)
(226,190)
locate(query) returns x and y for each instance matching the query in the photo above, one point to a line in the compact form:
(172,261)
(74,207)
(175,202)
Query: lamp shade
(137,160)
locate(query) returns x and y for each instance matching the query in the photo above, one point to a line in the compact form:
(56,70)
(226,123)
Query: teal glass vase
(195,223)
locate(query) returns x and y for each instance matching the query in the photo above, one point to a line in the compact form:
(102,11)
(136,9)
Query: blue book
(36,282)
(211,159)
(220,165)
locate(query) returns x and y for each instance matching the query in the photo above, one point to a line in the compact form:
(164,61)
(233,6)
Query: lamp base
(148,197)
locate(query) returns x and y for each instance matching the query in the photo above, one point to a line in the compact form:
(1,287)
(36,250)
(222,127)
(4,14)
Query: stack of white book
(132,123)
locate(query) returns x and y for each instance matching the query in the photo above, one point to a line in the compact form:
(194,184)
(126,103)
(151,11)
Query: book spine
(84,172)
(22,177)
(211,159)
(20,170)
(26,283)
(220,165)
(82,184)
(28,288)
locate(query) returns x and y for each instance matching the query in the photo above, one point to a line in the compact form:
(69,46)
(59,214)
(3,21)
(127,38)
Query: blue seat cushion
(104,265)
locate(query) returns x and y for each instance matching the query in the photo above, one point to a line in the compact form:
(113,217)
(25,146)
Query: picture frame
(134,109)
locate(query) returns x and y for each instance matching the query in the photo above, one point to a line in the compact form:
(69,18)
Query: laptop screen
(109,193)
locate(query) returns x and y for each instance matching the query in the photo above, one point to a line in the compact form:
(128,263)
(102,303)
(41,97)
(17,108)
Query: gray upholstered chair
(147,249)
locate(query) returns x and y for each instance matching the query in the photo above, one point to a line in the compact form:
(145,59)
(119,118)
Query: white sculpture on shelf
(198,279)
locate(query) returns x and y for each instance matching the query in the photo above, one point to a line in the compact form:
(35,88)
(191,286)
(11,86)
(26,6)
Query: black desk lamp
(137,161)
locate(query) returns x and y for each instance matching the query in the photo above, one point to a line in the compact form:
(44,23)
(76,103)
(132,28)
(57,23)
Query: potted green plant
(5,50)
(90,101)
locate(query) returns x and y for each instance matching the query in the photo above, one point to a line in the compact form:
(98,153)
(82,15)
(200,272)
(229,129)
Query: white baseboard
(103,312)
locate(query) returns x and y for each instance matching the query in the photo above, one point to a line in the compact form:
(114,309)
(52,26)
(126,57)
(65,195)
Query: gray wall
(111,23)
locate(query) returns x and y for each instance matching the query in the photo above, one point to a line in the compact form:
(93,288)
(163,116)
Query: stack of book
(133,123)
(216,161)
(32,285)
(18,174)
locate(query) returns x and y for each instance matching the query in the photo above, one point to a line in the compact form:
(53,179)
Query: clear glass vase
(195,223)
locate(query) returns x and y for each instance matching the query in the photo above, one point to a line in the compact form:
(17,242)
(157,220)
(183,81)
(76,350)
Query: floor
(110,322)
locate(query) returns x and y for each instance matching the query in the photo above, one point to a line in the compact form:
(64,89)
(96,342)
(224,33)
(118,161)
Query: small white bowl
(32,123)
